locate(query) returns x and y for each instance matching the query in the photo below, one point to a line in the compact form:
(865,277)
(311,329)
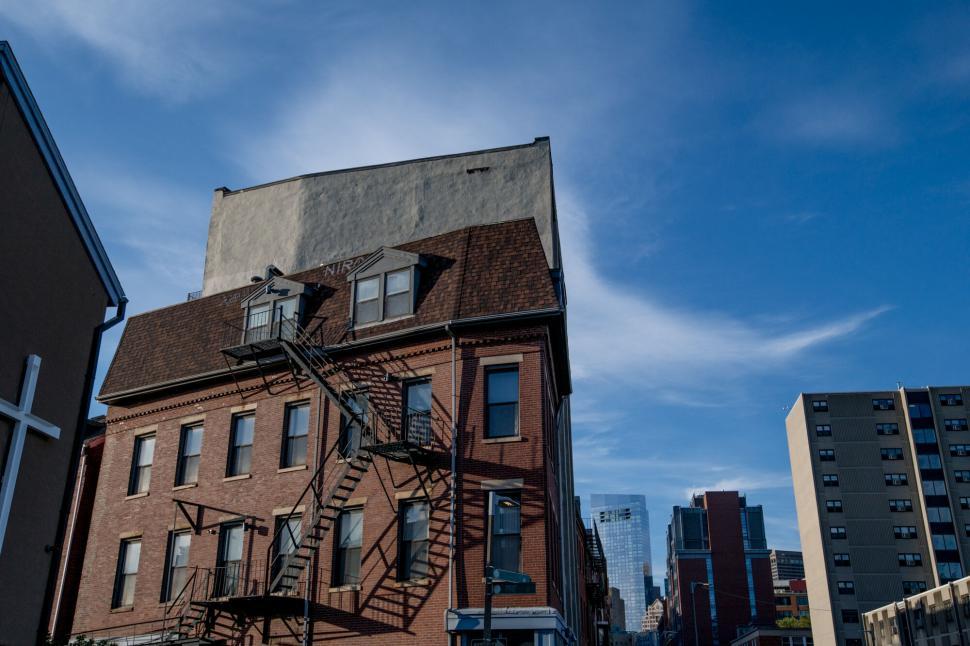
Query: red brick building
(311,455)
(719,569)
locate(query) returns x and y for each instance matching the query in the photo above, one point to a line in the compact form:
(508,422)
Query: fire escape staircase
(287,571)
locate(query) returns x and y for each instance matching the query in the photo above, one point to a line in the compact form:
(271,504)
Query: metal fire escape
(285,587)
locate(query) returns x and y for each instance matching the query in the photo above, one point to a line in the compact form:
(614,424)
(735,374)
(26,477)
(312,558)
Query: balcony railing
(417,427)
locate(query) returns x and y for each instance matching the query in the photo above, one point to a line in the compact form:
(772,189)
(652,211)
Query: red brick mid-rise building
(719,569)
(309,457)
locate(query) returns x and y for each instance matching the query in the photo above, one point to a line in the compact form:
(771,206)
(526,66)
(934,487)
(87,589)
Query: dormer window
(273,311)
(384,287)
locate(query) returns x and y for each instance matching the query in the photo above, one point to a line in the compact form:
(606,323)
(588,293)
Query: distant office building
(786,565)
(882,488)
(937,616)
(653,617)
(617,612)
(624,526)
(717,563)
(791,599)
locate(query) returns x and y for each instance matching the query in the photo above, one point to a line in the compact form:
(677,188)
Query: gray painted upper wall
(316,219)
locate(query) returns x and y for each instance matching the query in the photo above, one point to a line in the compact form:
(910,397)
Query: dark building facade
(719,569)
(787,564)
(58,288)
(314,453)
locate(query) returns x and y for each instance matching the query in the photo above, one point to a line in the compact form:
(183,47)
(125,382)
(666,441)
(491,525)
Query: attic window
(273,311)
(384,287)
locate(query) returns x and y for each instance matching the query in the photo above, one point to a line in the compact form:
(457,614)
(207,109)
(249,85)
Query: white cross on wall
(23,419)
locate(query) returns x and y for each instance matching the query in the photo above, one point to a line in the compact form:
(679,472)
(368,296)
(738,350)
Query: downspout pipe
(454,460)
(85,410)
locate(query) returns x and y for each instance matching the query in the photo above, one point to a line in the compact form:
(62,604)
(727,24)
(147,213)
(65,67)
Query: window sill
(364,326)
(241,476)
(136,495)
(299,467)
(122,609)
(416,583)
(185,486)
(344,588)
(502,440)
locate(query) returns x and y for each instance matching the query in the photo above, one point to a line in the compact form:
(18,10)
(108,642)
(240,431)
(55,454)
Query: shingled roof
(477,271)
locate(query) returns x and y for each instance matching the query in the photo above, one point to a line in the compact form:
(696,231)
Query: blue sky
(757,199)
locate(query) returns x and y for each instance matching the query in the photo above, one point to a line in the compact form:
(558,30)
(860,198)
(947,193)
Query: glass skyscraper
(624,528)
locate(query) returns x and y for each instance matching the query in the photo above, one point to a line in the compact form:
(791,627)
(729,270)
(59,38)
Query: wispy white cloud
(835,118)
(621,333)
(166,48)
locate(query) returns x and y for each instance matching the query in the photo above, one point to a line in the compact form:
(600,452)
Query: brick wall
(382,606)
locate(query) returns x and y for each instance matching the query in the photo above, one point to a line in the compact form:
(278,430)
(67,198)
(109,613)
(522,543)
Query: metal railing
(417,427)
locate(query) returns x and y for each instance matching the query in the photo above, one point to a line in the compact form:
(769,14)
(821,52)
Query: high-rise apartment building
(312,454)
(787,564)
(718,567)
(882,489)
(624,527)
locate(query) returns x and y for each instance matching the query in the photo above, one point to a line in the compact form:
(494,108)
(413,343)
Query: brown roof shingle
(477,271)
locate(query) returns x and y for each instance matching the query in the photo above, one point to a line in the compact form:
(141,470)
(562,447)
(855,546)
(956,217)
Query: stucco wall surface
(312,220)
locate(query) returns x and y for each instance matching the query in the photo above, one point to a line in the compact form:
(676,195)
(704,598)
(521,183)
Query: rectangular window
(397,293)
(846,587)
(415,539)
(966,530)
(820,406)
(934,488)
(127,573)
(289,534)
(949,571)
(959,450)
(961,475)
(241,445)
(177,560)
(939,514)
(507,533)
(837,532)
(259,322)
(834,506)
(830,480)
(924,436)
(349,537)
(295,435)
(823,430)
(190,452)
(904,531)
(964,502)
(229,563)
(502,395)
(891,454)
(913,587)
(352,428)
(901,505)
(929,461)
(417,411)
(826,455)
(896,479)
(920,411)
(944,541)
(883,404)
(955,424)
(953,399)
(909,559)
(367,304)
(850,616)
(141,464)
(887,429)
(841,559)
